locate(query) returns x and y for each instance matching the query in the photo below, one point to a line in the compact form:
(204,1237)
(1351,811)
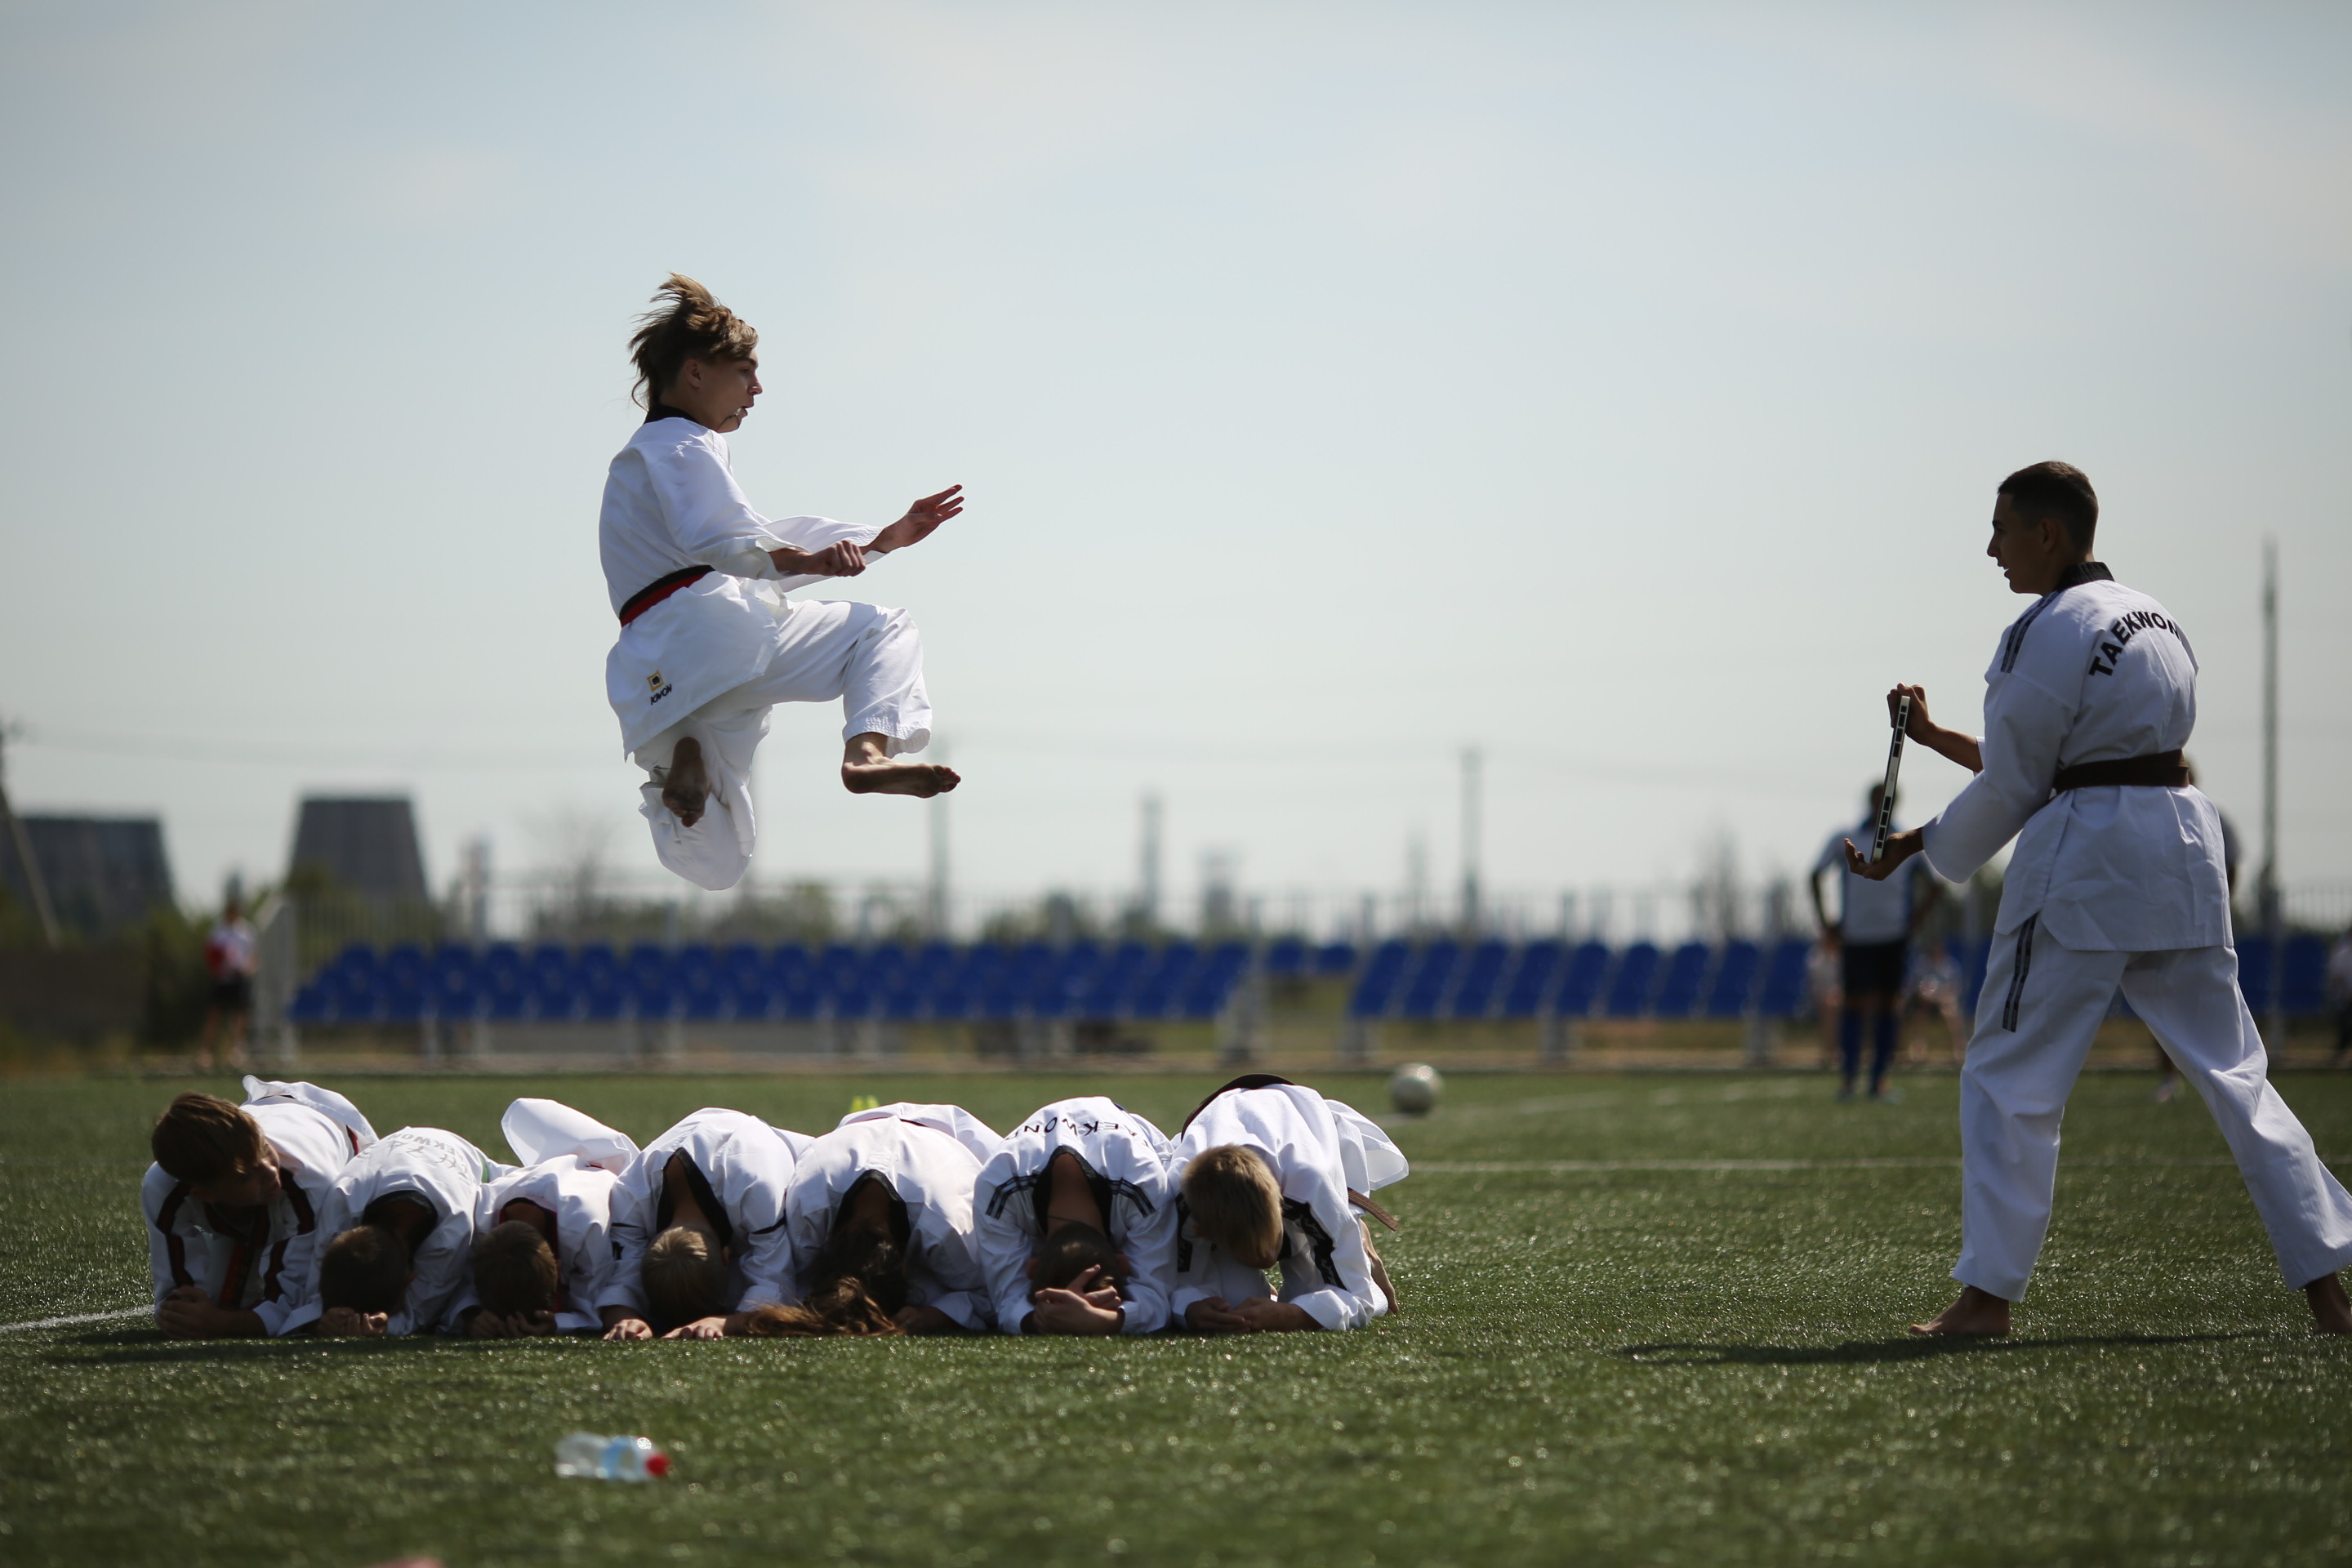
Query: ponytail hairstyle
(856,1285)
(685,323)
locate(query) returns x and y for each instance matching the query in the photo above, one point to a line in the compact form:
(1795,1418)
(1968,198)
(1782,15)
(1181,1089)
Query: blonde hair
(685,1276)
(685,323)
(1234,1200)
(514,1269)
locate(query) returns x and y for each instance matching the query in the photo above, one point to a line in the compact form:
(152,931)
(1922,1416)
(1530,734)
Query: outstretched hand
(1082,1307)
(923,519)
(1900,846)
(845,559)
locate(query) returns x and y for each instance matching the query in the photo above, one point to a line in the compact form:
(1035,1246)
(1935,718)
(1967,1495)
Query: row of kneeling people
(288,1215)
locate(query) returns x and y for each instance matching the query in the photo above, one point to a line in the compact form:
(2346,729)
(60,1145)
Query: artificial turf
(1685,1346)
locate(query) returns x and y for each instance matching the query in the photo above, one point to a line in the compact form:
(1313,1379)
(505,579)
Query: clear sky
(1620,389)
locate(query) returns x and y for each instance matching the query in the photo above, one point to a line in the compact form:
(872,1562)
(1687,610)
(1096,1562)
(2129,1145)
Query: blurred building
(102,873)
(366,844)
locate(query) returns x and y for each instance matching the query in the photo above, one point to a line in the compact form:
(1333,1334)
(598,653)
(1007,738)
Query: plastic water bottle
(603,1458)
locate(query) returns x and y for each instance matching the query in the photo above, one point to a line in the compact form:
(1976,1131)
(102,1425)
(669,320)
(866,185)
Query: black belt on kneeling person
(2165,770)
(660,588)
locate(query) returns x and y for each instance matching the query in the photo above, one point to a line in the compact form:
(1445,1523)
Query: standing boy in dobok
(1272,1172)
(708,644)
(233,1201)
(1077,1222)
(2117,881)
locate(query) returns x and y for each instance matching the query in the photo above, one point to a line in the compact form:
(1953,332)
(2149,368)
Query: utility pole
(2272,910)
(1473,833)
(22,845)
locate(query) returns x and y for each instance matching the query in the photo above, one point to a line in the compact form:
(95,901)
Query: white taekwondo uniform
(2111,885)
(314,1132)
(1320,1150)
(1125,1159)
(446,1173)
(738,1168)
(713,657)
(931,1157)
(571,1164)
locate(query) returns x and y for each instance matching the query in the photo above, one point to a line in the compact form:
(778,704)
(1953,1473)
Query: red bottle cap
(658,1466)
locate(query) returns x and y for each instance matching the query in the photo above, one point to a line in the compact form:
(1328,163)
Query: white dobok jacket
(930,1156)
(1319,1148)
(571,1164)
(671,503)
(446,1173)
(314,1133)
(1126,1161)
(2093,671)
(738,1168)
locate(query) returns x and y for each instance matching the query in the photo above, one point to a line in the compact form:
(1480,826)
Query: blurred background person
(1935,988)
(1872,937)
(232,955)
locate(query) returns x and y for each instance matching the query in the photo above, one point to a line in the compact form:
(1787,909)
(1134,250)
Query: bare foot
(888,776)
(1977,1314)
(1380,1270)
(2329,1305)
(688,787)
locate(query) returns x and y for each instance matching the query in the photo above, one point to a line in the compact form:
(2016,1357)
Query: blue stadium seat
(407,984)
(1481,976)
(841,978)
(1286,957)
(903,981)
(356,984)
(743,982)
(1432,978)
(1109,993)
(1636,978)
(1067,981)
(452,982)
(1587,967)
(2303,983)
(2255,972)
(505,984)
(1212,985)
(1678,993)
(1157,996)
(792,989)
(320,1001)
(1735,980)
(552,982)
(651,988)
(598,982)
(1531,978)
(694,974)
(1784,993)
(1335,958)
(1382,977)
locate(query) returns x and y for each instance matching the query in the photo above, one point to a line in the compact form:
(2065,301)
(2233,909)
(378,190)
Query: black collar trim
(2083,572)
(664,411)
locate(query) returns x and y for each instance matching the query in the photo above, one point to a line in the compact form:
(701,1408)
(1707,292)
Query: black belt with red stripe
(660,588)
(2165,770)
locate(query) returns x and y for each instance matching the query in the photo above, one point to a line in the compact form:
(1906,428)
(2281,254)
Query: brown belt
(2163,770)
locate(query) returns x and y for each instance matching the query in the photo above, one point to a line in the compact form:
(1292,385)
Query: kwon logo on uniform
(2120,632)
(659,687)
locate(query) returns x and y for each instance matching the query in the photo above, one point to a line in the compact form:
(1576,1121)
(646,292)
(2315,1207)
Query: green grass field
(1646,1319)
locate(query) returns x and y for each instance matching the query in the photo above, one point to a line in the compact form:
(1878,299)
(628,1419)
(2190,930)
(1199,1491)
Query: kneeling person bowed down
(1273,1172)
(1077,1222)
(881,1213)
(698,1238)
(232,1205)
(545,1253)
(400,1217)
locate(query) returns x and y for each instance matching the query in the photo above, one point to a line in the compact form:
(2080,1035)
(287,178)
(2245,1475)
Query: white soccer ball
(1415,1087)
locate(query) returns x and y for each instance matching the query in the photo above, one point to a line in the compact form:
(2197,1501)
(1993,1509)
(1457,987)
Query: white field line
(78,1318)
(1566,1167)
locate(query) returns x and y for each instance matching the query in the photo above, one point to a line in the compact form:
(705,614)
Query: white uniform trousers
(870,658)
(2041,1008)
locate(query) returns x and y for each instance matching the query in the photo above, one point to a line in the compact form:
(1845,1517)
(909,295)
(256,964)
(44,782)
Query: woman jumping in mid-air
(708,644)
